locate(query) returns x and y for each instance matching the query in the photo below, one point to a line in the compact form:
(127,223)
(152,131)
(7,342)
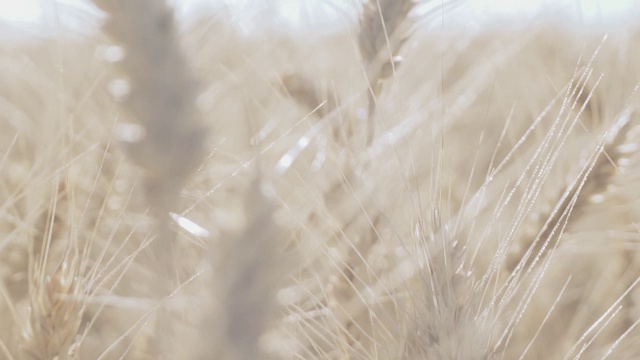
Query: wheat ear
(56,301)
(384,28)
(159,92)
(167,139)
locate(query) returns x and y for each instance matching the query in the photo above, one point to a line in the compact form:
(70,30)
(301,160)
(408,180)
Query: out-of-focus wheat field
(319,180)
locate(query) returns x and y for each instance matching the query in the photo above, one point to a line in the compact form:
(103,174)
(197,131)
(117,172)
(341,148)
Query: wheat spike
(159,92)
(56,299)
(383,31)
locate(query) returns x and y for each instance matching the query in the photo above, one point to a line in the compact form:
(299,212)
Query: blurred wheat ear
(160,96)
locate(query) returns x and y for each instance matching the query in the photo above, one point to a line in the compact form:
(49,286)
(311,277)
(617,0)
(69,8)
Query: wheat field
(411,184)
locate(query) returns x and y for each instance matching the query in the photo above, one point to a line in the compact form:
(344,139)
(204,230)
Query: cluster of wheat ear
(396,186)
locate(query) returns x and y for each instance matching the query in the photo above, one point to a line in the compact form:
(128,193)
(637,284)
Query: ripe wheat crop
(403,184)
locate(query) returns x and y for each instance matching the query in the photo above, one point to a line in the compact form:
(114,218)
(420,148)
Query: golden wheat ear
(384,26)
